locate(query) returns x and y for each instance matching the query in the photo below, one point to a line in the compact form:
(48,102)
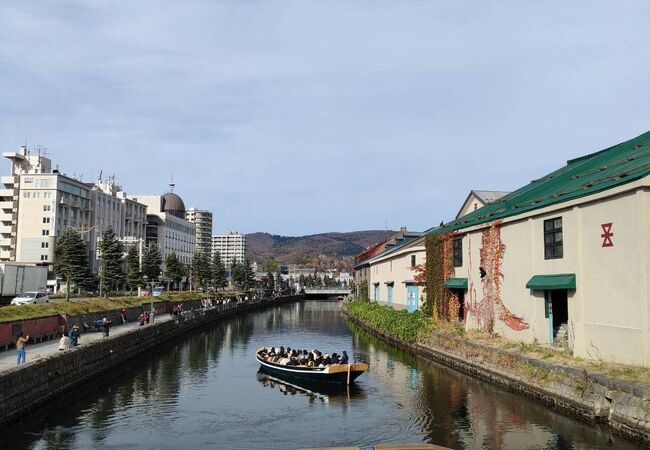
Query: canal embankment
(28,386)
(590,396)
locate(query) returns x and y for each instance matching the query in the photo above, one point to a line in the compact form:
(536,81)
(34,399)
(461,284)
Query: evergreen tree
(201,270)
(134,276)
(110,251)
(235,272)
(174,270)
(71,259)
(270,280)
(247,276)
(219,273)
(151,262)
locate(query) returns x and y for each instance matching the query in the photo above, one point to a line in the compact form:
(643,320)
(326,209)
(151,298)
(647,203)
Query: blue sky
(299,117)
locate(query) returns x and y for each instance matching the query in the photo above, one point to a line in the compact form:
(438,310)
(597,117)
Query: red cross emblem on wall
(607,234)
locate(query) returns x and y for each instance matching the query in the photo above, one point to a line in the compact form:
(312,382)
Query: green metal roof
(550,282)
(614,166)
(456,283)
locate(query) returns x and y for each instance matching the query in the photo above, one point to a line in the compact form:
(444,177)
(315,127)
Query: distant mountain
(317,250)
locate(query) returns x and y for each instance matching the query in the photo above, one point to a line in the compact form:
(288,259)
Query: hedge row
(409,327)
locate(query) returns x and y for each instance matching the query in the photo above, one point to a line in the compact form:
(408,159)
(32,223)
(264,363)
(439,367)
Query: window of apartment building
(46,207)
(43,257)
(27,194)
(46,220)
(458,252)
(46,232)
(45,244)
(412,261)
(553,248)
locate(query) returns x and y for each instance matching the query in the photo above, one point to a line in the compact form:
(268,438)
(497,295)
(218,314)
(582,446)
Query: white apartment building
(112,208)
(202,220)
(167,227)
(231,246)
(37,204)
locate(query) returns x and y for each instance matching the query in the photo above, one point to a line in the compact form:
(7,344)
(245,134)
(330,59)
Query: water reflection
(323,392)
(204,391)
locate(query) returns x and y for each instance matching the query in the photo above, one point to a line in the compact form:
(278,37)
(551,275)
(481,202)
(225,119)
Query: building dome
(173,204)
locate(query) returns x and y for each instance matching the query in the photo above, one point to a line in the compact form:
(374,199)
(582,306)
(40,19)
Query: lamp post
(151,283)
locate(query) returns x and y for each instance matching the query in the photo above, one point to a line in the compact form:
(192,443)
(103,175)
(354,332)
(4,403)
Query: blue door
(411,298)
(376,292)
(389,296)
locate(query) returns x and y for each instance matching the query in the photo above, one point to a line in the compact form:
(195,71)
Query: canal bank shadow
(314,392)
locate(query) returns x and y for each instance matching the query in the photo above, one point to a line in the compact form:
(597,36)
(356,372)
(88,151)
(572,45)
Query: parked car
(31,298)
(158,291)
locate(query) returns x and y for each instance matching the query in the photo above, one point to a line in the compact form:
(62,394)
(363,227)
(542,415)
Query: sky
(300,117)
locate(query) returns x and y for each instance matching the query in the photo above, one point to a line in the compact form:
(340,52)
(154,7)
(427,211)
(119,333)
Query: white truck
(17,278)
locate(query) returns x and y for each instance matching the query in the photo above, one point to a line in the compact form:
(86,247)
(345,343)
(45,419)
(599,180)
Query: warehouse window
(553,248)
(458,253)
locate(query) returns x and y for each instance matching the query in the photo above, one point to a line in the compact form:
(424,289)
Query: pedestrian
(106,325)
(146,317)
(64,343)
(74,336)
(123,315)
(141,319)
(20,348)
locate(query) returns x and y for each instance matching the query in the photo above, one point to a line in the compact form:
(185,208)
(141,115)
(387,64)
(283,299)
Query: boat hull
(313,375)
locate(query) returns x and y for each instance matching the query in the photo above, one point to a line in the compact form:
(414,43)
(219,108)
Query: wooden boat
(333,373)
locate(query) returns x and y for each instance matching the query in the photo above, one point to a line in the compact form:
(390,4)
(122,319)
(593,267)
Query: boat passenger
(344,358)
(326,361)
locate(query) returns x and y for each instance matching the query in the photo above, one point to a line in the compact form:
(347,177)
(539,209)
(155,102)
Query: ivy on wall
(445,304)
(438,269)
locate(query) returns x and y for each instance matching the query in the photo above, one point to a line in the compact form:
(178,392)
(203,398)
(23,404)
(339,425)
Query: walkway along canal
(203,390)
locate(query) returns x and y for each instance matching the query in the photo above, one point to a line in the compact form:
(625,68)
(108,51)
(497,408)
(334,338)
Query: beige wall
(609,314)
(395,268)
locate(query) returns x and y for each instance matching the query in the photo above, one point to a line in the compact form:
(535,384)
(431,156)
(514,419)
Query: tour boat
(332,373)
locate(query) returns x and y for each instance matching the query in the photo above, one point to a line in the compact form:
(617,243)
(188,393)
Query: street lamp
(152,284)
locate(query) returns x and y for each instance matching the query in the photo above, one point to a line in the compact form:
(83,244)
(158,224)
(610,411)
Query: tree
(201,270)
(71,257)
(151,262)
(270,280)
(110,251)
(134,276)
(174,270)
(219,273)
(247,276)
(235,272)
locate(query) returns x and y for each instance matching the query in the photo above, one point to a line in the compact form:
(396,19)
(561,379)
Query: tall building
(112,208)
(231,246)
(167,226)
(37,204)
(202,220)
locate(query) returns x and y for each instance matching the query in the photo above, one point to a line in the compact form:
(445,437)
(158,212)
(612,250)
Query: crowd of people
(295,357)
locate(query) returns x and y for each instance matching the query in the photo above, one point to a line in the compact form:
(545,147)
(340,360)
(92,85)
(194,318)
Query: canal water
(204,391)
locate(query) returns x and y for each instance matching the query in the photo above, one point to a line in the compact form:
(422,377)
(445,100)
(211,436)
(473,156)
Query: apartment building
(231,246)
(39,203)
(202,221)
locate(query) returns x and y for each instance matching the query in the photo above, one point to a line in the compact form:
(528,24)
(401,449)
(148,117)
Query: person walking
(74,336)
(106,326)
(123,315)
(20,348)
(64,343)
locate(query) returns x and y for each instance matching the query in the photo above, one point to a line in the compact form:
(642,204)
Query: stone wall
(625,407)
(25,387)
